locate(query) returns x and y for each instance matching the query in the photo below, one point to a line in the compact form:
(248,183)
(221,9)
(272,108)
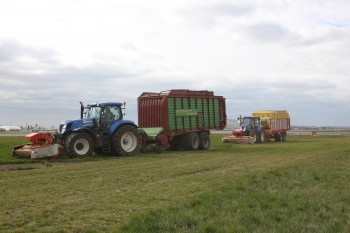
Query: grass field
(298,186)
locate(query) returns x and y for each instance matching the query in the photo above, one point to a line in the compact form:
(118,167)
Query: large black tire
(79,144)
(255,137)
(284,137)
(260,136)
(278,137)
(126,141)
(192,141)
(204,141)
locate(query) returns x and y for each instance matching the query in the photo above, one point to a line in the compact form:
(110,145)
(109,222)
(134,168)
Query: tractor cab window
(247,121)
(110,113)
(256,121)
(93,113)
(117,112)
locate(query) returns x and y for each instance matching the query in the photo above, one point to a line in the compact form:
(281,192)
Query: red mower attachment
(238,139)
(41,146)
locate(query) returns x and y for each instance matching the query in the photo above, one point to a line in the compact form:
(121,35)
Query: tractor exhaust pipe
(81,110)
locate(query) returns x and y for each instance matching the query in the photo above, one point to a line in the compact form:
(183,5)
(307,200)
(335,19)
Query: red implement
(239,139)
(40,147)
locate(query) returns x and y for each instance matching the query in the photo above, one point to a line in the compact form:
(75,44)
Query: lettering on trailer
(186,112)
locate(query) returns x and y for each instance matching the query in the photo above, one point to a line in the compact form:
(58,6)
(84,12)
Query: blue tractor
(251,126)
(102,130)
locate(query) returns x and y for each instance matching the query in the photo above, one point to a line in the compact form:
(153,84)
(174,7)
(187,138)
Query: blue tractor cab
(248,124)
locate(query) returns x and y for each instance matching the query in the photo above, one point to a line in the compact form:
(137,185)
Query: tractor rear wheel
(204,141)
(79,145)
(254,135)
(126,141)
(261,136)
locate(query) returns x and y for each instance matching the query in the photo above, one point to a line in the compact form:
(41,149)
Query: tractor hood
(75,124)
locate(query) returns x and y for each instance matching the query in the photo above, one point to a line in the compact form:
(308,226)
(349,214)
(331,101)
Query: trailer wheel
(192,141)
(284,137)
(278,137)
(126,141)
(79,144)
(204,140)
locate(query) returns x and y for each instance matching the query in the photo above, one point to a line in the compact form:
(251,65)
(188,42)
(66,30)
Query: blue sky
(292,55)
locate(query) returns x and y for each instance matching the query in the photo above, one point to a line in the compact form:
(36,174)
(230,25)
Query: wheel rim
(262,137)
(81,146)
(129,142)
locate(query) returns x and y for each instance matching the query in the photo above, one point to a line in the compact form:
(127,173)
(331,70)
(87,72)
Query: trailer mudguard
(115,125)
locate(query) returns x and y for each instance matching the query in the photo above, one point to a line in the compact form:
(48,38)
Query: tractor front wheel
(79,145)
(126,141)
(261,136)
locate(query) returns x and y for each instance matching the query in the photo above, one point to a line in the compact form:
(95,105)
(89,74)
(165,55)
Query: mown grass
(298,186)
(294,199)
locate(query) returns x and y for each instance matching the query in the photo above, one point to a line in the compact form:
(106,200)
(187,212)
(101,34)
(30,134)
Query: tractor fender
(115,125)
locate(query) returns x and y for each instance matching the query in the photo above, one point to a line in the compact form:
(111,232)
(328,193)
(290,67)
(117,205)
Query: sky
(277,54)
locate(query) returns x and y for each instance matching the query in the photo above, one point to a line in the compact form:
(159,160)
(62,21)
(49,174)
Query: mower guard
(41,146)
(238,139)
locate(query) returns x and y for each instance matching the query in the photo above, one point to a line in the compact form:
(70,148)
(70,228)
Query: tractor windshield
(251,121)
(93,113)
(247,121)
(110,113)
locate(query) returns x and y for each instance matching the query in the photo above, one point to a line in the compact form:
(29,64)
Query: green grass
(8,142)
(298,186)
(6,146)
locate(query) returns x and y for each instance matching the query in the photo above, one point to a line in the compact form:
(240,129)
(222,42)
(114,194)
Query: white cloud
(280,54)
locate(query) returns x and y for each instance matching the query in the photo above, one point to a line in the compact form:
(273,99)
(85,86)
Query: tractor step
(106,146)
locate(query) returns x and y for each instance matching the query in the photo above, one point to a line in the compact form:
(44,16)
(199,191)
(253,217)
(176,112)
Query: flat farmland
(301,185)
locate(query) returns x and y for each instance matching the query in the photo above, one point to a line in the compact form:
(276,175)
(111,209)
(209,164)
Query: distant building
(10,128)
